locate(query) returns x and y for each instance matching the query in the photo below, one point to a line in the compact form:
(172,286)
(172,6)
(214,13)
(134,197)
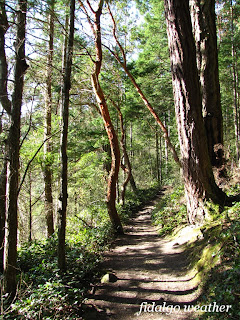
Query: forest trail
(148,269)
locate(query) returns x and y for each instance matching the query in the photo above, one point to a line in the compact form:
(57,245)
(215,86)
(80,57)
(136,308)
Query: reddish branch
(138,89)
(113,140)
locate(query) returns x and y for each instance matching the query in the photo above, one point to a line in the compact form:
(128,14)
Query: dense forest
(103,104)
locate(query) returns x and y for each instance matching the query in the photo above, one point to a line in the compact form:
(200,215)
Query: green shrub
(170,211)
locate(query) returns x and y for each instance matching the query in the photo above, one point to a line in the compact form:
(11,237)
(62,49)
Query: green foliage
(135,202)
(45,293)
(170,211)
(222,285)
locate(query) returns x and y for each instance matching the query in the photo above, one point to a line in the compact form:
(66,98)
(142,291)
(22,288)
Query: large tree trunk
(10,246)
(235,87)
(47,168)
(197,170)
(204,30)
(112,136)
(64,140)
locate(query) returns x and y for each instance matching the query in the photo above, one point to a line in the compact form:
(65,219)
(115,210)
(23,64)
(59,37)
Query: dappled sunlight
(147,268)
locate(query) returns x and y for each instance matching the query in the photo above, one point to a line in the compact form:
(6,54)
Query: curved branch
(141,94)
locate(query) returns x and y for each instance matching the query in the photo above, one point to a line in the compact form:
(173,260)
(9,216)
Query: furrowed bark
(197,170)
(204,30)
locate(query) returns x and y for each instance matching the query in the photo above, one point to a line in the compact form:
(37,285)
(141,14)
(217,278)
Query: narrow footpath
(147,273)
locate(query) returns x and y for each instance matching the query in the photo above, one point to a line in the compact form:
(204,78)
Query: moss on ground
(213,250)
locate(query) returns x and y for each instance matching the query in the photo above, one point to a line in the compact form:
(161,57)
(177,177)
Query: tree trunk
(166,150)
(47,168)
(113,140)
(6,103)
(131,141)
(3,185)
(10,245)
(204,30)
(30,209)
(64,140)
(197,170)
(107,163)
(158,157)
(115,154)
(128,168)
(235,88)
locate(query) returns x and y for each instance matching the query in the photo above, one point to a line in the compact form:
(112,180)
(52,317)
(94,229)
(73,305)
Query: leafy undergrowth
(43,291)
(214,252)
(222,283)
(136,201)
(170,211)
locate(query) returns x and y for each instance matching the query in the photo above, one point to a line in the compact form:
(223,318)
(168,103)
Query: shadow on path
(147,270)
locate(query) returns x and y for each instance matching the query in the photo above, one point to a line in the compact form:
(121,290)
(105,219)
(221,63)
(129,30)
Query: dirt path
(147,270)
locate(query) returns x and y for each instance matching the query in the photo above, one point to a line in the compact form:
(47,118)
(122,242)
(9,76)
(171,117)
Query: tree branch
(141,94)
(34,156)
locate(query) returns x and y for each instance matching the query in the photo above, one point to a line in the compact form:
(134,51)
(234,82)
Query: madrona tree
(95,24)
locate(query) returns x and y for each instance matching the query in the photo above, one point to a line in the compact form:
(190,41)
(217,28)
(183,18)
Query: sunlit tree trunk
(204,30)
(10,245)
(64,140)
(47,168)
(196,166)
(112,136)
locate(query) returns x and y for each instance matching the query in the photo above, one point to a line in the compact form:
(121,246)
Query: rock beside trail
(109,277)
